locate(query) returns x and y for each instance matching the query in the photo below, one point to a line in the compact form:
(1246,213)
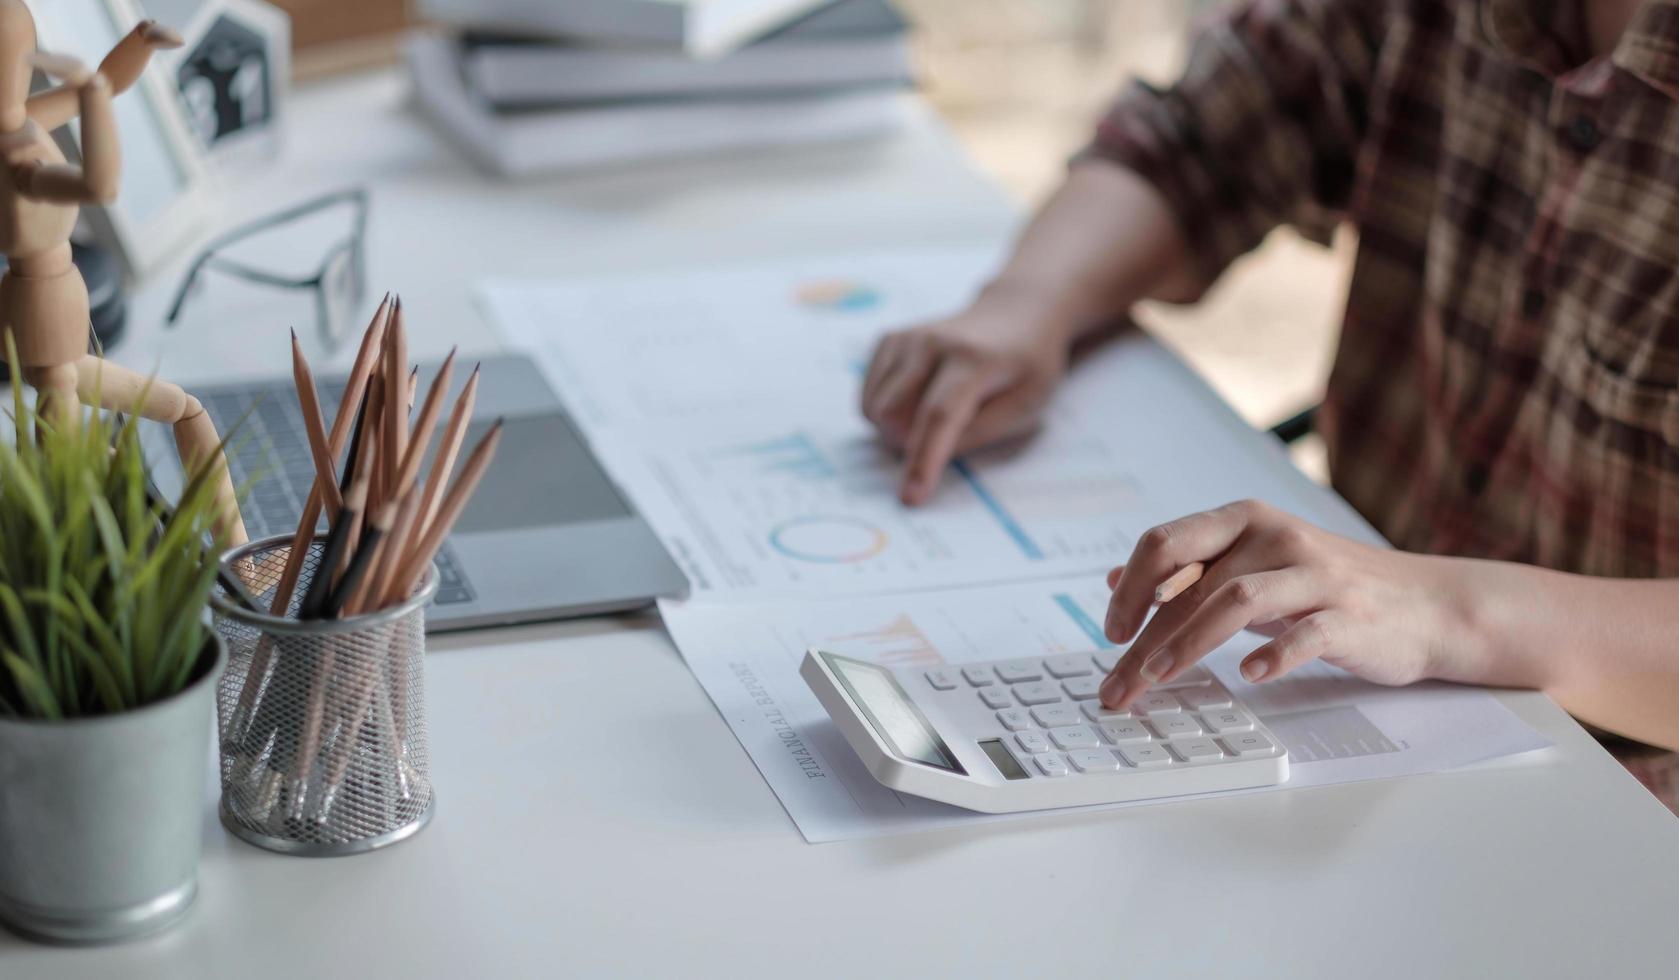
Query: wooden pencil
(414,562)
(367,551)
(373,438)
(335,550)
(460,418)
(396,370)
(405,530)
(355,387)
(359,374)
(347,478)
(420,439)
(1179,581)
(257,676)
(326,472)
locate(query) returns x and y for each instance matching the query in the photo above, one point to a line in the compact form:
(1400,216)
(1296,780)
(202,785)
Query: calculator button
(1228,720)
(1052,765)
(1249,743)
(1201,698)
(1106,660)
(1156,703)
(1030,694)
(1172,726)
(1125,730)
(1015,671)
(1082,688)
(1069,665)
(996,698)
(1056,715)
(1014,719)
(1093,760)
(978,676)
(941,679)
(1146,756)
(1197,750)
(1032,742)
(1189,678)
(1076,737)
(1095,712)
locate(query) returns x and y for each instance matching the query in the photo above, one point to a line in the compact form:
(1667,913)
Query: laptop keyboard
(273,447)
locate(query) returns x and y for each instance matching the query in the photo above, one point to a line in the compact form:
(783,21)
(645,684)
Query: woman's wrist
(1054,310)
(1501,623)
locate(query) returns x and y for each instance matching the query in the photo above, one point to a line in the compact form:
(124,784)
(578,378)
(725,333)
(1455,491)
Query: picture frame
(233,72)
(167,192)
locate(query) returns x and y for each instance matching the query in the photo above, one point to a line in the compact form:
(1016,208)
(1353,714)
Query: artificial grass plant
(102,587)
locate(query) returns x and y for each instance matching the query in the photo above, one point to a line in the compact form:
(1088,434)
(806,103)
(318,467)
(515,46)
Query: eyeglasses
(339,284)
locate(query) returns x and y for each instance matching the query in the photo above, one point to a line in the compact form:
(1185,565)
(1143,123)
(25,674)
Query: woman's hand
(1387,616)
(944,388)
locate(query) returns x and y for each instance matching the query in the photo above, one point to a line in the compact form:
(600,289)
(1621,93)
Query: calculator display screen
(893,714)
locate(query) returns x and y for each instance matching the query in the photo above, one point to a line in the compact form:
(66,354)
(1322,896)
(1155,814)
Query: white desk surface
(597,818)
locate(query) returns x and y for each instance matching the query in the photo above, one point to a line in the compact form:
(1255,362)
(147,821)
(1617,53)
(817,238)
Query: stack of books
(527,88)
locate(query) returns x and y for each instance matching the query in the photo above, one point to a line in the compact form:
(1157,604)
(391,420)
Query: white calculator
(1030,734)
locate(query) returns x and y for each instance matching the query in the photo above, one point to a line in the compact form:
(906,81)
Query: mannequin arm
(121,69)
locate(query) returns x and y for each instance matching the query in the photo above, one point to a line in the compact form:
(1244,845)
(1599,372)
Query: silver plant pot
(101,818)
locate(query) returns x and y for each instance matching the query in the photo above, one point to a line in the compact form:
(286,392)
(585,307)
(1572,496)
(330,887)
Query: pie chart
(828,540)
(841,295)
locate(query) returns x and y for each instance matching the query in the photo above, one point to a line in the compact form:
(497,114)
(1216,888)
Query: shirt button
(1584,134)
(1533,303)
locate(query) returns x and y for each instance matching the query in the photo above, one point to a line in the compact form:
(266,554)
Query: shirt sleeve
(1262,129)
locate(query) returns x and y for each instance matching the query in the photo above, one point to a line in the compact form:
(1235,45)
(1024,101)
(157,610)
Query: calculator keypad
(1093,760)
(1017,671)
(1056,715)
(1048,715)
(1051,765)
(1081,688)
(1037,693)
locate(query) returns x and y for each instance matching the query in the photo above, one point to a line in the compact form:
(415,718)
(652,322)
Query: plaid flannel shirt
(1507,384)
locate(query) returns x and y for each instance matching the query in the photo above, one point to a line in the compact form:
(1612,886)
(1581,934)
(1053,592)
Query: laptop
(546,536)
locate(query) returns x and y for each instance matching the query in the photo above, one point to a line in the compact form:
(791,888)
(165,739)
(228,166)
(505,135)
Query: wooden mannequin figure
(43,300)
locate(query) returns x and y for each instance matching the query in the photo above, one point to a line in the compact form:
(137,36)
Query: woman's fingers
(1309,639)
(948,406)
(1164,549)
(882,360)
(1243,600)
(902,390)
(1171,616)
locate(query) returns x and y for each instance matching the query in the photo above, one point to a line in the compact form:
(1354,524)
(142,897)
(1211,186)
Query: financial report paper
(1336,728)
(725,404)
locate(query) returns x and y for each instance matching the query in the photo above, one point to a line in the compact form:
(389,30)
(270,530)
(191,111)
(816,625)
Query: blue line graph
(1071,607)
(1012,527)
(795,454)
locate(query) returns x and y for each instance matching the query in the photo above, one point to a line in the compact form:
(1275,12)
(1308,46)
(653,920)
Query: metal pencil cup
(322,722)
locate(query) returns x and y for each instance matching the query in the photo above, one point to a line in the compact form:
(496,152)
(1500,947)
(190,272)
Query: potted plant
(107,678)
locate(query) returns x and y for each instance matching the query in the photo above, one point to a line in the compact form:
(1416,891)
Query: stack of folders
(537,88)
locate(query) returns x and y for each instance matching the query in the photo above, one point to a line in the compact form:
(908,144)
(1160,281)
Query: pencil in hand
(1179,582)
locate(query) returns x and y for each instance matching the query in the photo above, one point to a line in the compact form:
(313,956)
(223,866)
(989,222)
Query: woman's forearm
(1605,649)
(1105,240)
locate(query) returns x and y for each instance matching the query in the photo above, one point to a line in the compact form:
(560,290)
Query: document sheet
(1336,727)
(725,403)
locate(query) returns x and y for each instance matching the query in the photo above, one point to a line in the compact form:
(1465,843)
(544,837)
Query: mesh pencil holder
(322,722)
